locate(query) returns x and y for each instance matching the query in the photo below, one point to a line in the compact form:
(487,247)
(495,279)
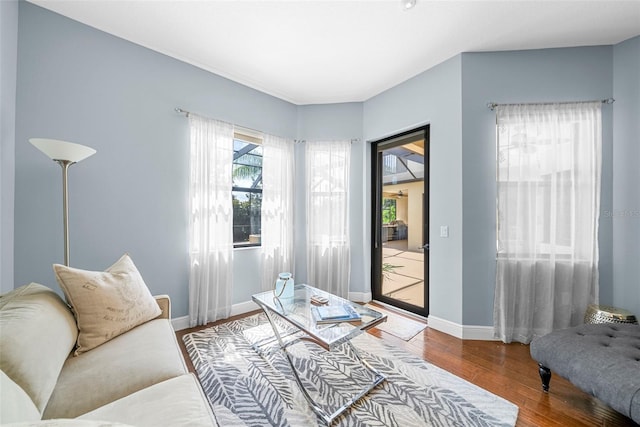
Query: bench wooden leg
(545,376)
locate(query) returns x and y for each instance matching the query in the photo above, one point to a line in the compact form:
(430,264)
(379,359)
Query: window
(535,176)
(548,187)
(544,179)
(247,189)
(388,210)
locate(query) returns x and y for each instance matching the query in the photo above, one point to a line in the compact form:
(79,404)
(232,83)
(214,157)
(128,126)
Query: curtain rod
(186,113)
(352,140)
(240,128)
(493,105)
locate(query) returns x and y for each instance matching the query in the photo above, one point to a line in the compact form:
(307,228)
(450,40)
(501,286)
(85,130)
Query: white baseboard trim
(482,333)
(244,307)
(180,323)
(464,332)
(360,296)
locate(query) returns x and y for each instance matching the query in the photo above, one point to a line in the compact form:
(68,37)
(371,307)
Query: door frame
(376,217)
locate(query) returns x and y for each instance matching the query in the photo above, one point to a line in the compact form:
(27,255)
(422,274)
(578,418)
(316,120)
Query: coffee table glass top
(297,311)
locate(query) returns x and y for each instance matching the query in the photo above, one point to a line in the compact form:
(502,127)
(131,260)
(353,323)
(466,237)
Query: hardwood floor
(506,370)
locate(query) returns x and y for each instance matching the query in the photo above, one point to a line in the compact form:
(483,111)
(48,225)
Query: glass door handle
(425,246)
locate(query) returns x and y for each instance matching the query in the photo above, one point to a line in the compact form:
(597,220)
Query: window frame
(254,138)
(546,249)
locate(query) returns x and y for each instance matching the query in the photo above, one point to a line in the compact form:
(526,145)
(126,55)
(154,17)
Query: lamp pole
(65,205)
(65,154)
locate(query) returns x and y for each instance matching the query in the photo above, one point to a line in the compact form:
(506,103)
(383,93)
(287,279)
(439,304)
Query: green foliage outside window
(388,210)
(247,193)
(246,216)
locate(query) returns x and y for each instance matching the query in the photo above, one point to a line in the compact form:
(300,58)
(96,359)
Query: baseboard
(464,332)
(244,307)
(360,296)
(180,323)
(468,332)
(481,333)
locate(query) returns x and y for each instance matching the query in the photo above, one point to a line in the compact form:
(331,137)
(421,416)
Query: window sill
(246,247)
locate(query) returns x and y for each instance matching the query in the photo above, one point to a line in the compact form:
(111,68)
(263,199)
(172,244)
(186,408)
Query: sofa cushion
(146,355)
(172,403)
(15,404)
(106,303)
(38,333)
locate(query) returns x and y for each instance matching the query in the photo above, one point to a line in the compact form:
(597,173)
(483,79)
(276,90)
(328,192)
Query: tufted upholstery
(600,359)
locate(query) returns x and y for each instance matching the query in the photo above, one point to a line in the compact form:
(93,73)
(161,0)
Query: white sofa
(138,378)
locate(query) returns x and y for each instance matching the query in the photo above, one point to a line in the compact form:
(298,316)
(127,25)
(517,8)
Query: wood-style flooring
(506,370)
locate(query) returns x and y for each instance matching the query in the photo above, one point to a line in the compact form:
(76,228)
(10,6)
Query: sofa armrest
(164,302)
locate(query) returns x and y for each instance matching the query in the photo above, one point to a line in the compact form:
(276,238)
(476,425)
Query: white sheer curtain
(548,185)
(327,185)
(210,220)
(277,208)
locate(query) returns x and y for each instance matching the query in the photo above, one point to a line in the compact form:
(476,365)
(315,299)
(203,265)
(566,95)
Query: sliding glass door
(400,251)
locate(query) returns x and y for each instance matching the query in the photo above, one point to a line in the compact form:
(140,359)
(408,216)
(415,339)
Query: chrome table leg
(327,417)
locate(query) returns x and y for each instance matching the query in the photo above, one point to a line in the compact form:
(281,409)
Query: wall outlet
(444,231)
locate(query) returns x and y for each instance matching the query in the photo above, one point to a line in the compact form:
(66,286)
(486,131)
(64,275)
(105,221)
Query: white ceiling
(316,52)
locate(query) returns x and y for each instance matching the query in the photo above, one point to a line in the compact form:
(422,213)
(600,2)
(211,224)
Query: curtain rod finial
(181,111)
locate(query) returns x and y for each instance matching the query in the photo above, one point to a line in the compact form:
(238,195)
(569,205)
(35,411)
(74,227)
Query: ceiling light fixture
(407,4)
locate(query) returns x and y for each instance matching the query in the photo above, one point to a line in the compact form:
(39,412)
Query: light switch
(444,231)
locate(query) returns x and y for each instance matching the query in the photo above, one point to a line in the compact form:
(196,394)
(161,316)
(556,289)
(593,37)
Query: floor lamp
(65,154)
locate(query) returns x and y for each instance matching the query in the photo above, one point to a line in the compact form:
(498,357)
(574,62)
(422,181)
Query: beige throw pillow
(106,304)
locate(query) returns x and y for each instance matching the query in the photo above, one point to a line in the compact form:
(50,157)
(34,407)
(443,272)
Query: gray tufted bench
(600,359)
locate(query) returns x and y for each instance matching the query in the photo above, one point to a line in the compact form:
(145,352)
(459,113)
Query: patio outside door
(400,253)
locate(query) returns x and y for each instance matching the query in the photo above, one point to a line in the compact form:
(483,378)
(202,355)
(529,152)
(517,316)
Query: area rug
(247,389)
(399,326)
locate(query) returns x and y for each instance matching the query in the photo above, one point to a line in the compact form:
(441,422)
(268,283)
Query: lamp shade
(407,4)
(62,150)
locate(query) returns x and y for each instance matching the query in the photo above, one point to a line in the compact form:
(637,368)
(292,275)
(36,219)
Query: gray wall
(82,85)
(8,66)
(452,97)
(79,84)
(118,98)
(575,74)
(332,122)
(432,97)
(626,175)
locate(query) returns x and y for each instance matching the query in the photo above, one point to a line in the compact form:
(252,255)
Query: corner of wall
(8,64)
(626,195)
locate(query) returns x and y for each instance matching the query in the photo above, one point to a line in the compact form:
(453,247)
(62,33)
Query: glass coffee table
(296,311)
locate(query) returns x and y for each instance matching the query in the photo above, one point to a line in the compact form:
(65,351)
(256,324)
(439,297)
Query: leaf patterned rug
(247,389)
